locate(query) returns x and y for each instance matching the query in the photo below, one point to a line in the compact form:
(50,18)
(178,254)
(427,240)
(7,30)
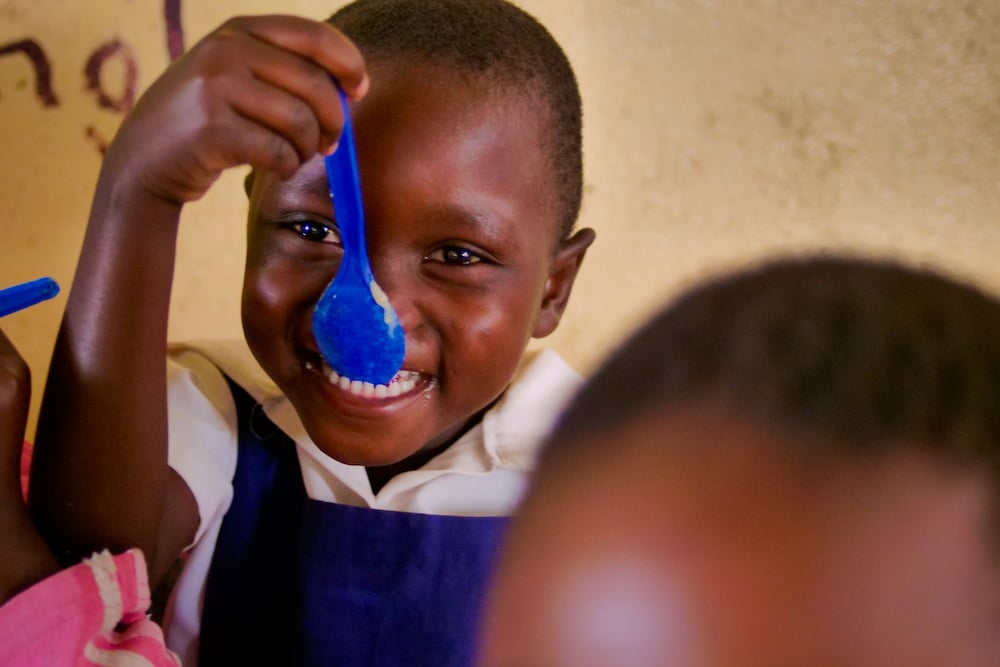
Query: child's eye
(314,231)
(455,256)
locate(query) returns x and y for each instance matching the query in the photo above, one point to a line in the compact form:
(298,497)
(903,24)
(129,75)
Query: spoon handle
(18,297)
(345,188)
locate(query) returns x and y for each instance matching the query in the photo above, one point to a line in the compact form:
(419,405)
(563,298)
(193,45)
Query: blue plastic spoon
(18,297)
(355,327)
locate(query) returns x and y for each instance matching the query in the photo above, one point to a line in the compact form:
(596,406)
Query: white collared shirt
(484,473)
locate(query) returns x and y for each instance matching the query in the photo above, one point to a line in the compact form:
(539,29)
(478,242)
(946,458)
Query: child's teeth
(403,382)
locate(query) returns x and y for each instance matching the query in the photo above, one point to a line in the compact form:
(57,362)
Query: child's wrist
(127,187)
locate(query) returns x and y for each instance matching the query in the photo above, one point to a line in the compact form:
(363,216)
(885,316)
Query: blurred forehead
(737,554)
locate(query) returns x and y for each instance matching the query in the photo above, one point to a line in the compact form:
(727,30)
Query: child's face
(461,226)
(696,545)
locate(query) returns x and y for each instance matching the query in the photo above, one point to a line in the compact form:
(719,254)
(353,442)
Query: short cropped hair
(864,355)
(495,40)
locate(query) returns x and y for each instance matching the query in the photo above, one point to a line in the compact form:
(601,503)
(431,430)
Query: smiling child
(326,523)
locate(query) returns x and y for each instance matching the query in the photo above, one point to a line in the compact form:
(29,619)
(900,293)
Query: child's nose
(403,296)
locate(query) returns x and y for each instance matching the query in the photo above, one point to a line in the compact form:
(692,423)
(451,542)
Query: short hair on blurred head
(860,354)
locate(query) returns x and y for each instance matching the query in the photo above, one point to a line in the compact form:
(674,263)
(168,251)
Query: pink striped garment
(90,614)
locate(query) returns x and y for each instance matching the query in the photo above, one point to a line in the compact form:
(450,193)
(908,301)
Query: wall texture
(717,132)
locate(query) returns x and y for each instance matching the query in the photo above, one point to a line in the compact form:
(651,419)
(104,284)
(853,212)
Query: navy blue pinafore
(296,581)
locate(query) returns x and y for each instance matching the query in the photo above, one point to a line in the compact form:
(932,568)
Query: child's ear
(559,285)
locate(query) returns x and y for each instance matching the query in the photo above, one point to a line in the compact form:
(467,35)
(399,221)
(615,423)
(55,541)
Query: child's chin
(366,453)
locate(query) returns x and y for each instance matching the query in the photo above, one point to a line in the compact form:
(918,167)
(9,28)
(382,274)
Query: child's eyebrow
(307,184)
(310,178)
(473,220)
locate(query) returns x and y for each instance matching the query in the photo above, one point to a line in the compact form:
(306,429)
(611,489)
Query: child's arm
(256,91)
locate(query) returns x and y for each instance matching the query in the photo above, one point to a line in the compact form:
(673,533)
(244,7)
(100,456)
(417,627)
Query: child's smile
(402,383)
(461,222)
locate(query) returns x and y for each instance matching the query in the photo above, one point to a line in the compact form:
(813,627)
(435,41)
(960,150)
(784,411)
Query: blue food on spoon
(355,327)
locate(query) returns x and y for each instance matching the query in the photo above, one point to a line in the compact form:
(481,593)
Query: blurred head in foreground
(792,465)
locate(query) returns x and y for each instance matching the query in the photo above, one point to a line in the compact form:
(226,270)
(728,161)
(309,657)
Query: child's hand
(257,91)
(15,393)
(25,556)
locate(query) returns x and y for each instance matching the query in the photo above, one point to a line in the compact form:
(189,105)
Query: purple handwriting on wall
(40,62)
(175,33)
(92,70)
(114,48)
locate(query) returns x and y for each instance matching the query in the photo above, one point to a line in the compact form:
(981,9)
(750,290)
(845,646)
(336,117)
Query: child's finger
(10,358)
(283,113)
(15,390)
(257,146)
(317,41)
(307,81)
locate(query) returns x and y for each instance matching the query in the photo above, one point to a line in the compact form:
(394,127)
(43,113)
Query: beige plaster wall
(717,131)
